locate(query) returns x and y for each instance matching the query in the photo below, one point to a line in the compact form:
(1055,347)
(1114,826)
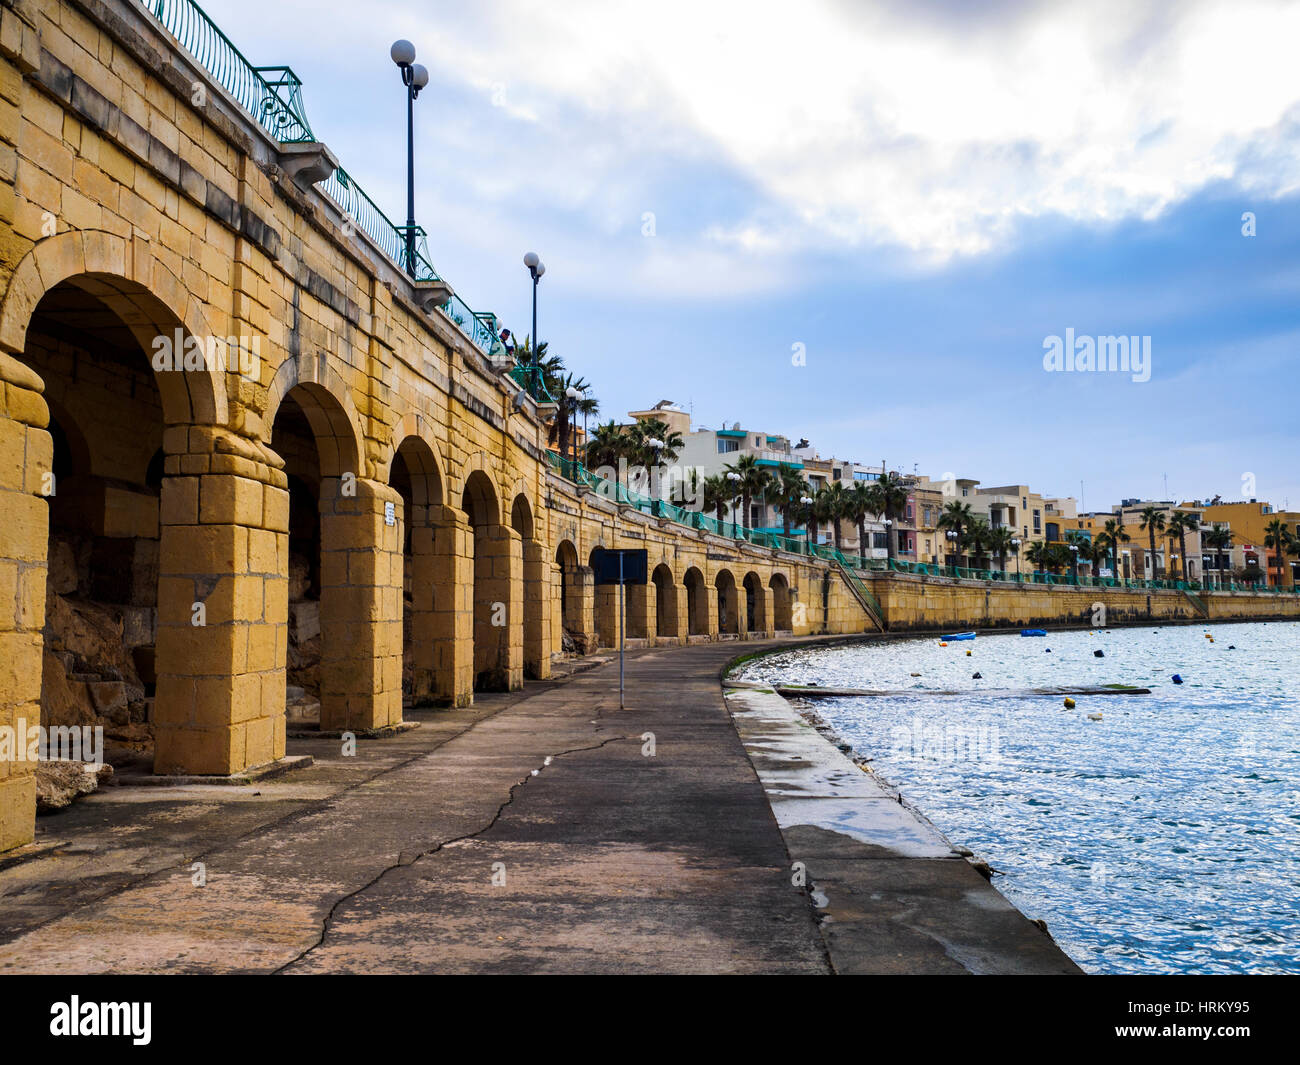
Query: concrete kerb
(891,893)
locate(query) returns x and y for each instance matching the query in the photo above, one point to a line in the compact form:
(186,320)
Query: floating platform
(1005,693)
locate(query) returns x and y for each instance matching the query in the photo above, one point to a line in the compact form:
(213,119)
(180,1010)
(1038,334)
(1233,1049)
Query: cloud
(911,128)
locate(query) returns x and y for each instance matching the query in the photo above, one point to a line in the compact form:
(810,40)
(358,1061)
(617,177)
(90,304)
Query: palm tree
(1180,524)
(977,541)
(1075,538)
(1114,536)
(608,444)
(1097,553)
(820,512)
(718,496)
(999,542)
(1153,521)
(1277,537)
(890,494)
(956,516)
(558,385)
(788,488)
(860,502)
(752,480)
(835,501)
(1218,539)
(653,429)
(1036,555)
(1058,557)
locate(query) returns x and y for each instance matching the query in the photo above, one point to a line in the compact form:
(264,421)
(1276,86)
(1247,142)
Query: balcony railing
(273,97)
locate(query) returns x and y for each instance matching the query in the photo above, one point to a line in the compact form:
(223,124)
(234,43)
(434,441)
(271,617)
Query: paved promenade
(530,833)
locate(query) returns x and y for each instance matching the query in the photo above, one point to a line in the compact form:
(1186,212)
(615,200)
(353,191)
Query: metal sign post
(622,629)
(628,568)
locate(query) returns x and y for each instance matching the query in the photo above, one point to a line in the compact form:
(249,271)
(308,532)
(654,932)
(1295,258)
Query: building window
(835,475)
(726,445)
(965,491)
(1038,521)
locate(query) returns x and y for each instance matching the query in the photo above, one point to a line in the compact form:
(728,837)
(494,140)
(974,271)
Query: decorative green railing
(575,471)
(273,96)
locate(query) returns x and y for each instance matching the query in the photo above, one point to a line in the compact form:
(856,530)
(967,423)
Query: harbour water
(1162,837)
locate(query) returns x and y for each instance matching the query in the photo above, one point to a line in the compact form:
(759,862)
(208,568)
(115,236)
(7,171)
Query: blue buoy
(1098,654)
(1177,678)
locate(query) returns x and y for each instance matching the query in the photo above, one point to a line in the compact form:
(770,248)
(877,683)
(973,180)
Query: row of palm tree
(613,445)
(557,379)
(1283,542)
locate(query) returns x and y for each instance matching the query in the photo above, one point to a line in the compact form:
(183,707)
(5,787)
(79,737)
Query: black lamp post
(536,268)
(415,77)
(574,398)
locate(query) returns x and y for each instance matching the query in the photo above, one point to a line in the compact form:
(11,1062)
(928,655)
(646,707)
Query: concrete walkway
(533,832)
(605,859)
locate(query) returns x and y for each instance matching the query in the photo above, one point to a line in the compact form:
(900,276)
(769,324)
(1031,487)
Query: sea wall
(915,603)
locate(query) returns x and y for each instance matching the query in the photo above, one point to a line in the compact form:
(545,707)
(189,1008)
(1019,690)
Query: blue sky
(917,194)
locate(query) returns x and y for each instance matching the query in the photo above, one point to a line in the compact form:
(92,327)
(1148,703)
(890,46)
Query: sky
(861,223)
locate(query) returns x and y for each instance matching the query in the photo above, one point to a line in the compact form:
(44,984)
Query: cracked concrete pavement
(528,833)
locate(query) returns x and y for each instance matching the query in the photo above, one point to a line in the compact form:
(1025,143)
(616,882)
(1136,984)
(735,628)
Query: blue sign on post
(620,566)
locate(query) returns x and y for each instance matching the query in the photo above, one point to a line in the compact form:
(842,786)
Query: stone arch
(755,604)
(697,603)
(410,428)
(606,612)
(327,403)
(142,291)
(414,473)
(729,608)
(521,516)
(665,601)
(536,591)
(498,586)
(782,609)
(480,469)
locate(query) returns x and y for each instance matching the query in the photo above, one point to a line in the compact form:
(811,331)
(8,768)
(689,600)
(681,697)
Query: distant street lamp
(807,523)
(574,396)
(1015,553)
(1074,561)
(536,268)
(415,77)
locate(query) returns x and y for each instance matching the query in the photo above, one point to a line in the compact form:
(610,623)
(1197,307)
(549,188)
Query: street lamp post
(951,536)
(807,522)
(574,396)
(1015,553)
(415,77)
(1074,562)
(657,446)
(536,268)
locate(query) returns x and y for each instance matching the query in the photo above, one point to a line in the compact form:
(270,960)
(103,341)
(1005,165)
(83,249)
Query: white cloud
(831,125)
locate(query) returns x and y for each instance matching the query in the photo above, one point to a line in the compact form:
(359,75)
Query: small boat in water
(1033,632)
(961,636)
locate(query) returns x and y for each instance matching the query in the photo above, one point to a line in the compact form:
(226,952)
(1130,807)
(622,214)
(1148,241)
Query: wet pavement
(538,831)
(533,832)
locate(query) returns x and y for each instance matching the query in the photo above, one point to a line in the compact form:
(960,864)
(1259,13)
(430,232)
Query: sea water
(1164,837)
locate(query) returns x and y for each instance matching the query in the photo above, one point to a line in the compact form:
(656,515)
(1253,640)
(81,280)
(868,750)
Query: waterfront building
(1249,521)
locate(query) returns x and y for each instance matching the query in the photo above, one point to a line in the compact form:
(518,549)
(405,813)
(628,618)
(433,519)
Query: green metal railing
(573,470)
(273,96)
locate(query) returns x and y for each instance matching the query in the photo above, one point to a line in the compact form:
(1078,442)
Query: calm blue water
(1163,838)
